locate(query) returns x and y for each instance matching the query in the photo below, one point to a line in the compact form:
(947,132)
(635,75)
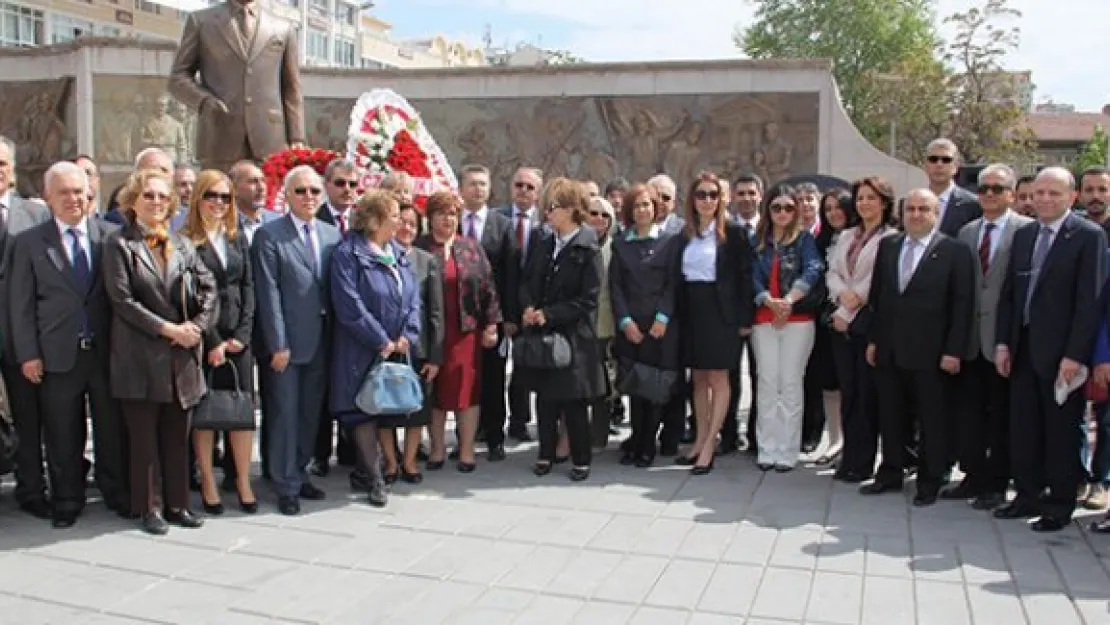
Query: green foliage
(1094,153)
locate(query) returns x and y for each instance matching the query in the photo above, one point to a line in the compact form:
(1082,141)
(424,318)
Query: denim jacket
(800,267)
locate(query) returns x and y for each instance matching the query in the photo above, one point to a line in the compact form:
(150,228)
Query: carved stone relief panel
(37,116)
(600,138)
(135,112)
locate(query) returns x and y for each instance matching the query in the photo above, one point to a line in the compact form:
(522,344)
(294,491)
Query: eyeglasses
(525,185)
(909,208)
(215,196)
(939,158)
(597,214)
(997,189)
(665,197)
(706,195)
(345,184)
(553,207)
(782,207)
(155,196)
(314,191)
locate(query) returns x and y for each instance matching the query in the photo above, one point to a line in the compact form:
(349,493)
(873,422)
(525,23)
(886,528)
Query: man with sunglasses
(341,191)
(291,258)
(957,206)
(672,221)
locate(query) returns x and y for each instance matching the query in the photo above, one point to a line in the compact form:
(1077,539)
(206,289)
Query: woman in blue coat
(377,315)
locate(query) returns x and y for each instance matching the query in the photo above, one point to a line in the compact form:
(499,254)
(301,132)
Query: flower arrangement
(277,165)
(387,136)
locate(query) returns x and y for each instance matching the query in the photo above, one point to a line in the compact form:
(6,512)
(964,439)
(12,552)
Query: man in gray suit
(291,263)
(982,431)
(237,66)
(59,319)
(17,215)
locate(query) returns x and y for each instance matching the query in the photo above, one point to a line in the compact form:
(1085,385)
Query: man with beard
(1094,197)
(1023,203)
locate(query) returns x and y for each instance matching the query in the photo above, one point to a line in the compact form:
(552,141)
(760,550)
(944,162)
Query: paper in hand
(1062,389)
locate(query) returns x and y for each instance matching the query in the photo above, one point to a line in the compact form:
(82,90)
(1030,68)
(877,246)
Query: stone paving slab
(502,546)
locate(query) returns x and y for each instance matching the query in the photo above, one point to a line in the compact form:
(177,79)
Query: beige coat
(258,81)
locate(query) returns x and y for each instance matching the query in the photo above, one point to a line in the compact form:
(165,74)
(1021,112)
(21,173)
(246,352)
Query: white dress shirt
(918,252)
(1055,226)
(479,219)
(312,232)
(699,259)
(529,217)
(251,225)
(67,241)
(5,204)
(218,239)
(996,234)
(561,241)
(943,203)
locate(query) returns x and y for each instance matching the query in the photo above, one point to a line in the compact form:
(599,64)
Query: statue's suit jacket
(257,80)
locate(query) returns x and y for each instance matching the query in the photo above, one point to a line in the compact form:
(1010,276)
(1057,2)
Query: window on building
(319,4)
(373,64)
(64,28)
(316,45)
(21,26)
(346,14)
(148,7)
(344,52)
(109,31)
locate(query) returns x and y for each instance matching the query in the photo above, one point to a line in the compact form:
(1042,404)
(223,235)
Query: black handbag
(225,410)
(542,350)
(636,379)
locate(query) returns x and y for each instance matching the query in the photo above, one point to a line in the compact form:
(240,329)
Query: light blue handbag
(391,388)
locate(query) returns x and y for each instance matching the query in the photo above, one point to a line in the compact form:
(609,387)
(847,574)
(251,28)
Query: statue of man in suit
(237,66)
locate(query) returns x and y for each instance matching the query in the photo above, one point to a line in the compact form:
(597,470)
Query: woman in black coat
(642,287)
(213,227)
(559,294)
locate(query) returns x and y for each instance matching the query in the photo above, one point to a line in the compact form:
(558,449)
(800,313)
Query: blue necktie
(81,271)
(1036,266)
(311,250)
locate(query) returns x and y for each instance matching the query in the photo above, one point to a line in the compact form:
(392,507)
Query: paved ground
(502,546)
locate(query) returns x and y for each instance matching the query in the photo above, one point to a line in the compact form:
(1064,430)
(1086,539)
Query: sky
(651,30)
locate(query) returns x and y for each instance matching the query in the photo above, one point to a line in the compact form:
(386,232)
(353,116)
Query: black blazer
(1064,313)
(963,208)
(511,309)
(734,277)
(497,242)
(428,271)
(48,307)
(933,316)
(235,288)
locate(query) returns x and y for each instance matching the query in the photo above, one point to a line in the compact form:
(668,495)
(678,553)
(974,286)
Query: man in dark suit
(291,262)
(17,215)
(495,232)
(922,297)
(1048,317)
(59,320)
(526,221)
(957,206)
(341,190)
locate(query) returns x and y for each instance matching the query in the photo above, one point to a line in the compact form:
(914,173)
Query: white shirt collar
(527,212)
(946,194)
(81,226)
(300,223)
(564,239)
(1055,224)
(1000,221)
(922,241)
(6,199)
(479,214)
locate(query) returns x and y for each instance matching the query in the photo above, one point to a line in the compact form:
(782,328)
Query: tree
(562,57)
(865,39)
(1094,153)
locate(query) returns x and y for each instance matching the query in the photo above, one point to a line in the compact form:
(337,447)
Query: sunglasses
(152,196)
(345,184)
(937,158)
(597,214)
(917,209)
(553,207)
(525,185)
(706,195)
(665,197)
(782,207)
(214,196)
(308,191)
(997,189)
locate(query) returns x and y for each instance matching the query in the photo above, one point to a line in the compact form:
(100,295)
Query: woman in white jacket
(851,262)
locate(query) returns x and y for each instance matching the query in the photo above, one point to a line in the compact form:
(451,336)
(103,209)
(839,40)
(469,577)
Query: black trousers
(158,435)
(983,427)
(675,411)
(492,397)
(601,408)
(1045,440)
(576,416)
(899,389)
(730,430)
(30,481)
(859,404)
(63,401)
(813,397)
(326,434)
(645,418)
(520,405)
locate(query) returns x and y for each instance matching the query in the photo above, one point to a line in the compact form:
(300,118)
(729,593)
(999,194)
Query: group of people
(949,327)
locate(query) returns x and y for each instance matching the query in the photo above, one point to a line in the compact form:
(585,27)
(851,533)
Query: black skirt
(711,343)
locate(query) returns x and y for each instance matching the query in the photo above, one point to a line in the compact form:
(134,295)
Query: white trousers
(781,356)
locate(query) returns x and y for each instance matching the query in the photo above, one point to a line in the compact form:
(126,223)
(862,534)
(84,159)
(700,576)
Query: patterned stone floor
(502,546)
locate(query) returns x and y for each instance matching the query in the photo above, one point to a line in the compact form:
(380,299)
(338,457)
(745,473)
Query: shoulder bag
(224,410)
(541,350)
(391,388)
(637,379)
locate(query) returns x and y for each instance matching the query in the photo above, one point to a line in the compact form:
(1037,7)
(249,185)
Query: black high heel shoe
(686,461)
(248,507)
(415,477)
(702,469)
(212,509)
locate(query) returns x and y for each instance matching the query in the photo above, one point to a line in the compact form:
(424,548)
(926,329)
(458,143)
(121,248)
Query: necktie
(341,221)
(471,229)
(1040,253)
(907,264)
(520,230)
(81,271)
(985,248)
(246,24)
(311,247)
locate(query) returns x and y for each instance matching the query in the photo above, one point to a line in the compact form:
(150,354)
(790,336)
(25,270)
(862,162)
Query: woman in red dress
(471,314)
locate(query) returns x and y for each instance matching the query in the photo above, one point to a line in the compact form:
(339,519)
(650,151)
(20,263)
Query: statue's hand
(212,103)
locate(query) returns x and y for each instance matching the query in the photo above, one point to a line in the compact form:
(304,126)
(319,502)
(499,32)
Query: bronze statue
(237,66)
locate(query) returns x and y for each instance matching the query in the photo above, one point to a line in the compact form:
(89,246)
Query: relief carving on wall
(34,115)
(135,112)
(600,138)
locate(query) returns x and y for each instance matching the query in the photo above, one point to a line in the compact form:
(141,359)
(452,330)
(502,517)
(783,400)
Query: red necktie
(341,221)
(985,248)
(520,230)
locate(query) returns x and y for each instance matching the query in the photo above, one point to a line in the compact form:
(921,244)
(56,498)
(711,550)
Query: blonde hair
(570,194)
(372,210)
(194,228)
(134,186)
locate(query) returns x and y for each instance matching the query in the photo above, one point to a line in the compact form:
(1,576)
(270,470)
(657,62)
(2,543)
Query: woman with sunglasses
(716,309)
(213,226)
(156,372)
(786,269)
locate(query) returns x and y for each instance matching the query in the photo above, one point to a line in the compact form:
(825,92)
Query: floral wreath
(387,136)
(278,164)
